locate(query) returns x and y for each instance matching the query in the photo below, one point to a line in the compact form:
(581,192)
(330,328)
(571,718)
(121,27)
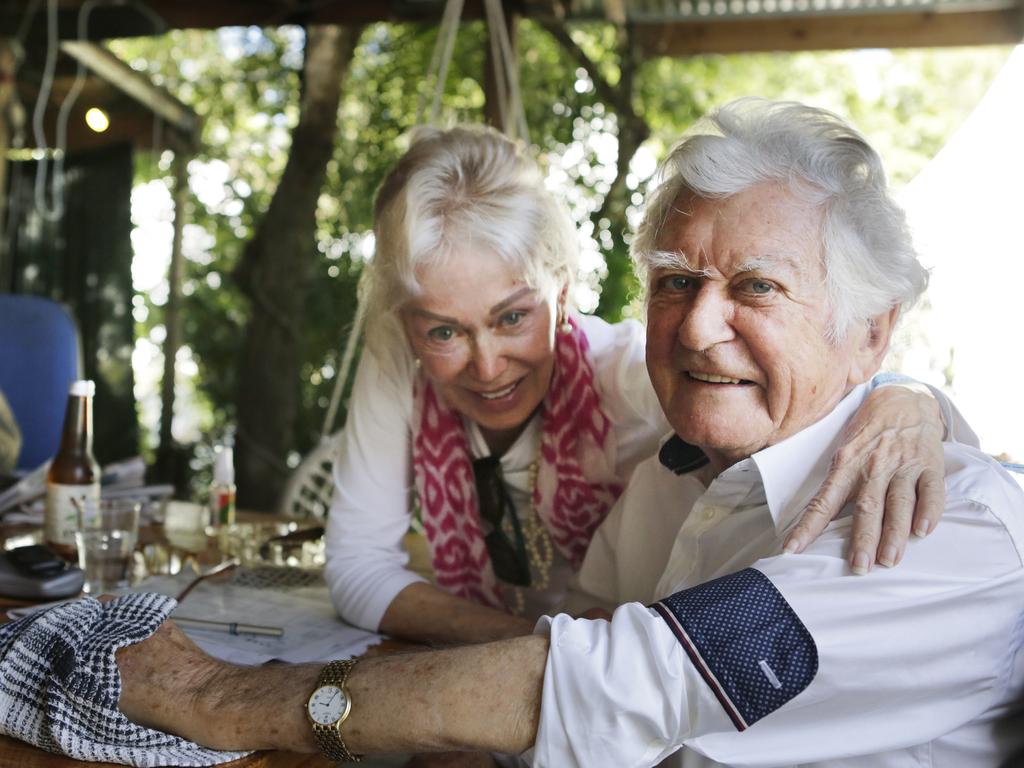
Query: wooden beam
(137,86)
(890,30)
(158,16)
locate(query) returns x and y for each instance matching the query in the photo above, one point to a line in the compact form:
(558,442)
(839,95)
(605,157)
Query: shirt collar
(793,470)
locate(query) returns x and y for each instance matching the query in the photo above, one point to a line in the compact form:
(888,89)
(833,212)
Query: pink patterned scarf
(576,485)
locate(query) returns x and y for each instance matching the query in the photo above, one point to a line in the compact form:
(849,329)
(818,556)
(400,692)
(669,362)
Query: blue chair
(39,358)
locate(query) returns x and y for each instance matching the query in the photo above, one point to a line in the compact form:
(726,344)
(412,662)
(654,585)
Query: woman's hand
(423,613)
(891,464)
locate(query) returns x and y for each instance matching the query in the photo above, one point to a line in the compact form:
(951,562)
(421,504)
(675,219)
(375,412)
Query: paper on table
(312,629)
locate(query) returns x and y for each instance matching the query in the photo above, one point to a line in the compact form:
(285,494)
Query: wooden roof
(664,27)
(146,115)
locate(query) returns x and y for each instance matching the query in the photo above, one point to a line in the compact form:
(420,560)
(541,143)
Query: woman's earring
(564,326)
(418,363)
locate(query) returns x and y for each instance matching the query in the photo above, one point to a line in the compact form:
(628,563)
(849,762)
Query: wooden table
(17,753)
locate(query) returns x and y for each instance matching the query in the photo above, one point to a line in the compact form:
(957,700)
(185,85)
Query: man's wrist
(913,386)
(926,391)
(235,704)
(328,708)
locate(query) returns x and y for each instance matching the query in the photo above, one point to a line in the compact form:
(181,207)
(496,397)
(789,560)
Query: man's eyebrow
(673,260)
(510,300)
(769,260)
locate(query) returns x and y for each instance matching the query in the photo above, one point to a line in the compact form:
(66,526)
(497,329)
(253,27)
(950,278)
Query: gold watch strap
(328,737)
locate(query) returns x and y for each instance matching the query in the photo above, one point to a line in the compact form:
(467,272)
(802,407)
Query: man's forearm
(481,697)
(470,698)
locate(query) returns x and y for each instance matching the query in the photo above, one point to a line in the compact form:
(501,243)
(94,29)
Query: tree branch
(633,129)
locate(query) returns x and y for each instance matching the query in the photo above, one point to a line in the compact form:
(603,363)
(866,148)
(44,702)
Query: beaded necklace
(539,549)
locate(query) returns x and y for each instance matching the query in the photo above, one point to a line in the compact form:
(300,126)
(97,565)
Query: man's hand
(162,682)
(891,463)
(170,684)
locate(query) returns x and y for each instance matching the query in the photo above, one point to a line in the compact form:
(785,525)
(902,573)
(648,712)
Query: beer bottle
(73,483)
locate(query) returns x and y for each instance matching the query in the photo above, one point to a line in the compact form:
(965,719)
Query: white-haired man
(776,266)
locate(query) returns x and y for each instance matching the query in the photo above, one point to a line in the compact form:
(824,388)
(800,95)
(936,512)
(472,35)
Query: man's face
(737,343)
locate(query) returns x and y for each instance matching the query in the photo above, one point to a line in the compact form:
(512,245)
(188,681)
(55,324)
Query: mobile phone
(36,572)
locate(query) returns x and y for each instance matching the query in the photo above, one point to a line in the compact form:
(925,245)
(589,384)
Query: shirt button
(709,513)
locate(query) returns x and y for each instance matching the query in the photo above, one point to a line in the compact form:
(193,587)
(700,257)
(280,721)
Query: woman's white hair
(462,189)
(869,258)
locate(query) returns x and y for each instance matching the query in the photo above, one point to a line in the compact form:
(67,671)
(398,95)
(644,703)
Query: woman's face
(484,338)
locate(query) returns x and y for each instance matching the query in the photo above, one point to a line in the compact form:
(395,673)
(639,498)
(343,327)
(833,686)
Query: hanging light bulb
(97,119)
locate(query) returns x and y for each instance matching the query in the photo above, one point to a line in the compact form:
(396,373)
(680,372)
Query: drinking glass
(106,542)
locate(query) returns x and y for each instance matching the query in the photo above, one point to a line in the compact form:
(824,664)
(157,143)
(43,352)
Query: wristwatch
(328,707)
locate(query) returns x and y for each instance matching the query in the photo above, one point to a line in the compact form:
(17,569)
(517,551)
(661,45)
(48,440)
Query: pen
(231,627)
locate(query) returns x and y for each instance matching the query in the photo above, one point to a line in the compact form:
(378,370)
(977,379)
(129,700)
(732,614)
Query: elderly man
(776,266)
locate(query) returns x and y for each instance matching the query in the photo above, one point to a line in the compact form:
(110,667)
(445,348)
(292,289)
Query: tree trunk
(275,272)
(167,452)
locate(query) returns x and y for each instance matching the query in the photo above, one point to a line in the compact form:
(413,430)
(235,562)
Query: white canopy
(966,209)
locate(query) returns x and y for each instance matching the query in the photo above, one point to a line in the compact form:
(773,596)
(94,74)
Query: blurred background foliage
(245,83)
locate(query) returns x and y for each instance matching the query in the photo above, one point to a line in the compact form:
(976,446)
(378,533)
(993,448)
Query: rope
(65,113)
(494,21)
(514,125)
(441,59)
(45,86)
(346,361)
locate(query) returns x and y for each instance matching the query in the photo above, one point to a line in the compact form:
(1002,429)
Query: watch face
(327,704)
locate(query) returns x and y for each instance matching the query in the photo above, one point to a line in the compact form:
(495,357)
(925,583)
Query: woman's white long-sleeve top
(371,508)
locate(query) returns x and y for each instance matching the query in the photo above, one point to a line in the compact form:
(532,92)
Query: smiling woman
(511,421)
(515,421)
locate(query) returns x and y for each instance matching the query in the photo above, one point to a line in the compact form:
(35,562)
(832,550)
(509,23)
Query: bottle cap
(223,465)
(82,388)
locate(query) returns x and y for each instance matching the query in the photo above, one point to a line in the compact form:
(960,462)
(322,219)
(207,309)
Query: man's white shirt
(913,665)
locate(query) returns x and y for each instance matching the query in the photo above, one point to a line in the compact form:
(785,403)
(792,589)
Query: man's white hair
(462,189)
(869,258)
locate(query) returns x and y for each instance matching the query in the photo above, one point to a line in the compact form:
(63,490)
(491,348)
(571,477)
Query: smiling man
(776,265)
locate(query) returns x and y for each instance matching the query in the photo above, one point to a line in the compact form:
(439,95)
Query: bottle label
(223,502)
(62,516)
